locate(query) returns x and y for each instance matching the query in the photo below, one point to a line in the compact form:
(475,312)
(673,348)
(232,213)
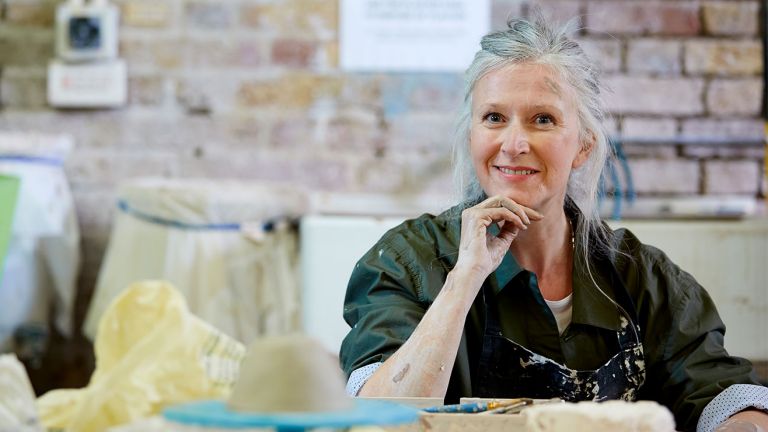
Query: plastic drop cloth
(18,411)
(208,237)
(150,352)
(43,253)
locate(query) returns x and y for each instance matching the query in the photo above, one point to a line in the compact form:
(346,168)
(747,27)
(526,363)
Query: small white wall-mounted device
(87,72)
(86,31)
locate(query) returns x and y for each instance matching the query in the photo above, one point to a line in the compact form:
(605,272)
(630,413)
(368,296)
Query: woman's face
(524,136)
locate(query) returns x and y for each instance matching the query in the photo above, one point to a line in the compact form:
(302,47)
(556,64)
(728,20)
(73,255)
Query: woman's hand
(480,252)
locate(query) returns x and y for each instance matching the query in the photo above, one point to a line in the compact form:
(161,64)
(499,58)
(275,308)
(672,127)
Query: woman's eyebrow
(553,86)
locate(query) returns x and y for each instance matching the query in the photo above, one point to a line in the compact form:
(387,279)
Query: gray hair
(538,42)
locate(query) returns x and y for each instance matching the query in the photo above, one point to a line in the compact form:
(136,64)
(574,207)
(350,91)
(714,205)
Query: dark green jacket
(395,282)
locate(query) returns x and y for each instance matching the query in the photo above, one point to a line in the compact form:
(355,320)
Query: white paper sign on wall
(411,35)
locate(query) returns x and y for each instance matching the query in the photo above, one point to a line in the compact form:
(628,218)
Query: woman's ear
(585,149)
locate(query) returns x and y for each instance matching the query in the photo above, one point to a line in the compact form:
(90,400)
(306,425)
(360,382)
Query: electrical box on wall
(87,72)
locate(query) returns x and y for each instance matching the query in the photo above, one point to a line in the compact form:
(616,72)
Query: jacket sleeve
(688,365)
(383,305)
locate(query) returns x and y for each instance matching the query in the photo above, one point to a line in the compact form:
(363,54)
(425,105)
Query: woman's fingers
(501,208)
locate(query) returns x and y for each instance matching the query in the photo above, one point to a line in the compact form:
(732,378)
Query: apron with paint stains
(507,369)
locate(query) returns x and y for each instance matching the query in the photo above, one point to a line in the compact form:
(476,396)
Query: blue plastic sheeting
(365,412)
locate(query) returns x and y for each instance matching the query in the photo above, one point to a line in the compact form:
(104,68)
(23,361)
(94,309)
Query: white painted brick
(723,129)
(738,96)
(643,95)
(606,52)
(732,177)
(723,57)
(654,56)
(723,151)
(421,133)
(657,176)
(404,175)
(110,168)
(648,128)
(649,150)
(23,88)
(731,17)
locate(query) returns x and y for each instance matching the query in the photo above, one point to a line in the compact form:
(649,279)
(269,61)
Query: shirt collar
(590,306)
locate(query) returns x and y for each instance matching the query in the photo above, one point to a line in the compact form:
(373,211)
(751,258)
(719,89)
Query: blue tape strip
(122,205)
(32,159)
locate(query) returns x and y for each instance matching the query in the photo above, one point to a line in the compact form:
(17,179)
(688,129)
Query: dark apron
(509,370)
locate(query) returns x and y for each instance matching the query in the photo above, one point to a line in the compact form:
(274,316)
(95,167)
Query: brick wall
(252,89)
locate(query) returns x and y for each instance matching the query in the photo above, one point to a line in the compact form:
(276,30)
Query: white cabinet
(730,260)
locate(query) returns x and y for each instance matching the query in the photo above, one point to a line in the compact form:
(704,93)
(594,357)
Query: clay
(292,373)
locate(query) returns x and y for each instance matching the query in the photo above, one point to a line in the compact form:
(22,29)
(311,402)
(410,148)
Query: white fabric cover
(242,281)
(44,250)
(18,411)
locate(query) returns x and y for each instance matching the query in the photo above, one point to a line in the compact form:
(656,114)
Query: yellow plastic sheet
(150,353)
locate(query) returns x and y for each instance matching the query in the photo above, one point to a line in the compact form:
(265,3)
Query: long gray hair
(538,42)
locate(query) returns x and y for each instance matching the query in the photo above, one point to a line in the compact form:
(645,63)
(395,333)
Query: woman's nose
(514,140)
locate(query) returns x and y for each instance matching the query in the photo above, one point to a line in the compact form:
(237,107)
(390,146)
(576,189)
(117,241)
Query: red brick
(654,56)
(641,95)
(731,18)
(658,176)
(648,17)
(738,96)
(732,177)
(293,53)
(723,57)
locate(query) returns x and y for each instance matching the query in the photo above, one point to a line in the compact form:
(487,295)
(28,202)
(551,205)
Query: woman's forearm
(422,366)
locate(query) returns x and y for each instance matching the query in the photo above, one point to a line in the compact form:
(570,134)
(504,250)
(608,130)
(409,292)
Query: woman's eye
(493,117)
(544,119)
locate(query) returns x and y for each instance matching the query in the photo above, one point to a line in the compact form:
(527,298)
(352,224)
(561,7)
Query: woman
(521,290)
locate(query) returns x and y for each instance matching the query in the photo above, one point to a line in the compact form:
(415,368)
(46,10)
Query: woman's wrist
(467,281)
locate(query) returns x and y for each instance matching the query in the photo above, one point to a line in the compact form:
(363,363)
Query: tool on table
(503,406)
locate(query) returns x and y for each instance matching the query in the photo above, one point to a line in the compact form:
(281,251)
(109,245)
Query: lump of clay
(284,374)
(642,416)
